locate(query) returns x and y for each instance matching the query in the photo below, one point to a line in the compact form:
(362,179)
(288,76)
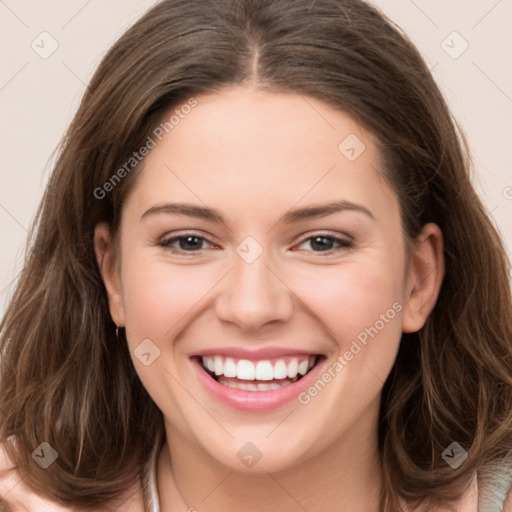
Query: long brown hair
(66,379)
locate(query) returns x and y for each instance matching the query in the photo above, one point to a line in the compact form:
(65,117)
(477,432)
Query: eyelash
(343,244)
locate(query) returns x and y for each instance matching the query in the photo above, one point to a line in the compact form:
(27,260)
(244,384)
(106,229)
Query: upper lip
(254,354)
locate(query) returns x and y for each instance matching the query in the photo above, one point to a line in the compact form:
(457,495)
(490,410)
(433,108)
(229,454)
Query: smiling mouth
(261,375)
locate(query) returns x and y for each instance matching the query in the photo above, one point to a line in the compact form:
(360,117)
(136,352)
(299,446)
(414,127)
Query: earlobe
(424,278)
(106,258)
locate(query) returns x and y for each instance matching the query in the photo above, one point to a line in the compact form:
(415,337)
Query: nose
(253,295)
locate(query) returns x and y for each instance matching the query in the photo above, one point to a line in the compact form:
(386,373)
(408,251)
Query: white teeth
(245,370)
(229,367)
(303,367)
(264,387)
(219,365)
(209,363)
(293,368)
(280,370)
(246,386)
(265,370)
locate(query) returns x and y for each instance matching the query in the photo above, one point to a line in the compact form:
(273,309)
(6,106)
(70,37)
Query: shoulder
(15,496)
(496,488)
(486,492)
(508,503)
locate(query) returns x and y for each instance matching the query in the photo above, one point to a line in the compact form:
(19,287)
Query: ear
(109,269)
(425,274)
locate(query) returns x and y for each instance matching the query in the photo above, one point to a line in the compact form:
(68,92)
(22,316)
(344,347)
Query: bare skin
(254,156)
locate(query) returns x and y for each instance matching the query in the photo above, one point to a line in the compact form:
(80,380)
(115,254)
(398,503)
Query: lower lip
(256,400)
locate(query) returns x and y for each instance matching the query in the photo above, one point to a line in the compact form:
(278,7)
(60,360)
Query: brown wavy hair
(66,380)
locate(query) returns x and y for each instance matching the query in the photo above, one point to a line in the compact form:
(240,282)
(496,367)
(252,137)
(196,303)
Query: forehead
(251,150)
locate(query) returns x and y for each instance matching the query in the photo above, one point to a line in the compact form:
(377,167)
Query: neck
(345,475)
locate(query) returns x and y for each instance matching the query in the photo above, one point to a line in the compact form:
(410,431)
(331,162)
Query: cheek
(158,295)
(369,329)
(159,298)
(360,306)
(351,297)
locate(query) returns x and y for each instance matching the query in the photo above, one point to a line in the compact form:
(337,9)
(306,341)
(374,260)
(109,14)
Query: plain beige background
(467,44)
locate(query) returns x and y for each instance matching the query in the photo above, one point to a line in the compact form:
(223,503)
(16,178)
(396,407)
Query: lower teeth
(252,386)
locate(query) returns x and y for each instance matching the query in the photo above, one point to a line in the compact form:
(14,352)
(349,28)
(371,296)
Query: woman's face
(260,242)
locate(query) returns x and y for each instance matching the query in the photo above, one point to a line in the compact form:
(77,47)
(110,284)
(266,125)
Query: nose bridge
(253,295)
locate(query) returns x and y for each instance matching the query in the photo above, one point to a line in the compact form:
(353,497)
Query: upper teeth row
(259,370)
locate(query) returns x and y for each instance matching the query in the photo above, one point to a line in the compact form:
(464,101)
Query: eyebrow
(292,216)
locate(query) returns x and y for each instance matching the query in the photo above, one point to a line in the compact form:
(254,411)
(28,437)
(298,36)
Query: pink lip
(256,401)
(254,354)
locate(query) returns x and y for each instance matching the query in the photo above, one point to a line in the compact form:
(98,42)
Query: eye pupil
(185,242)
(322,244)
